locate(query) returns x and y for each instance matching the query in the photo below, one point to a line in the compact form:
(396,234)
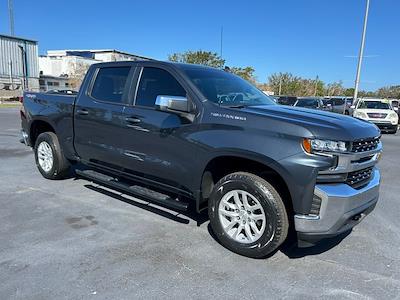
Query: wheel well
(37,128)
(222,166)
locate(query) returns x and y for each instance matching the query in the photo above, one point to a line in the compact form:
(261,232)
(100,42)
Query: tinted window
(310,103)
(155,82)
(374,105)
(287,100)
(225,88)
(110,84)
(338,101)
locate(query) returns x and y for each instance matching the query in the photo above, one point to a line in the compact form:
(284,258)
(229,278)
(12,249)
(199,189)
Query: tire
(244,242)
(48,148)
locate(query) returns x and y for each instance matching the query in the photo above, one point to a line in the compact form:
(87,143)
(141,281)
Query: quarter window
(110,84)
(155,82)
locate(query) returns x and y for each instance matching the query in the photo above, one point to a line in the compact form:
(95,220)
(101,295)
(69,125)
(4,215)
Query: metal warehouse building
(19,66)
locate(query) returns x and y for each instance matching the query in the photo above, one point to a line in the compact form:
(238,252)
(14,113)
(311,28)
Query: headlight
(315,145)
(361,115)
(393,115)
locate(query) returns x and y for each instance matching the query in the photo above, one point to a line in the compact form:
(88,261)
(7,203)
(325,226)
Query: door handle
(132,120)
(83,112)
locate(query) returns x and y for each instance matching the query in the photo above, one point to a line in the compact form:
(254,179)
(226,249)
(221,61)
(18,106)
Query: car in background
(62,92)
(396,106)
(378,111)
(313,102)
(340,104)
(285,100)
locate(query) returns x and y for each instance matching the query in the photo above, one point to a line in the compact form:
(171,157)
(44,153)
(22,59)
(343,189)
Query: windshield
(374,105)
(225,88)
(310,103)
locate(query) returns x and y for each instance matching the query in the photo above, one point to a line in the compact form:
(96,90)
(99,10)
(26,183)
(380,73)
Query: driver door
(155,142)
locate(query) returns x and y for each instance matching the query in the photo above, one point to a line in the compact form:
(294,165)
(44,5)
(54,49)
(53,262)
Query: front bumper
(386,126)
(342,207)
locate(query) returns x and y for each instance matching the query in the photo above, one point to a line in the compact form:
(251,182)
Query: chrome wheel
(45,156)
(242,217)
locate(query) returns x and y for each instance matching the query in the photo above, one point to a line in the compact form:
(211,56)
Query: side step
(135,190)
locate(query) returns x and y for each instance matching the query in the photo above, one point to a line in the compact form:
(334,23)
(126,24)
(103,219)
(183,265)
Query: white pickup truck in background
(378,111)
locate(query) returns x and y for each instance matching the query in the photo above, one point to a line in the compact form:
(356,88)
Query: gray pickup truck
(202,138)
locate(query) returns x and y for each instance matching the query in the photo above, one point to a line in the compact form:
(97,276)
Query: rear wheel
(49,157)
(248,215)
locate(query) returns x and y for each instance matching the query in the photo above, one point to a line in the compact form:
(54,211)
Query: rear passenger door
(99,119)
(154,141)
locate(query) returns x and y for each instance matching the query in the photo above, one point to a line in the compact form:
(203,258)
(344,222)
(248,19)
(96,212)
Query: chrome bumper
(342,208)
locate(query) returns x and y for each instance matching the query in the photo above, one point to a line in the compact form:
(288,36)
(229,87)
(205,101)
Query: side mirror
(353,106)
(329,105)
(173,103)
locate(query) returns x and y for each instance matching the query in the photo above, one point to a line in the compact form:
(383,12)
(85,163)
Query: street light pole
(11,16)
(361,53)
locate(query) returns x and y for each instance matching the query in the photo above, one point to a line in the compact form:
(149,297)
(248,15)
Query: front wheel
(49,157)
(248,215)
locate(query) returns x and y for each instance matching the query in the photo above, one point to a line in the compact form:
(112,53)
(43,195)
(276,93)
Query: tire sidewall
(268,241)
(53,172)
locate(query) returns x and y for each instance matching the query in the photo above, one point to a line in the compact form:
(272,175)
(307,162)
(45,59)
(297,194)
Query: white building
(102,55)
(74,63)
(63,65)
(48,83)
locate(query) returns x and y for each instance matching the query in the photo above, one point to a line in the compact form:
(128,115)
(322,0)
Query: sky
(304,37)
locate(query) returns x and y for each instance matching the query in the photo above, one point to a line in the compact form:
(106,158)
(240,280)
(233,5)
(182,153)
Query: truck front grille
(365,145)
(358,179)
(376,115)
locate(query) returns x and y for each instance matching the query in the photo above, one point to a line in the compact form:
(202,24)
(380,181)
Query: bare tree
(78,72)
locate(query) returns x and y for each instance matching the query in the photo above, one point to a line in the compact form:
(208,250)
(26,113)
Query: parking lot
(74,239)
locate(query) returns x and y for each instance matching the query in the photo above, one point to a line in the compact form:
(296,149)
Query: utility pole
(361,54)
(11,16)
(316,86)
(11,76)
(24,68)
(222,33)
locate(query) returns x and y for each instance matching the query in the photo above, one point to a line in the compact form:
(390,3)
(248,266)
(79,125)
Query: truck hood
(320,123)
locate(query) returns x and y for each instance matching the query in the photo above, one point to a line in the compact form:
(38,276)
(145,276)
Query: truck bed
(54,109)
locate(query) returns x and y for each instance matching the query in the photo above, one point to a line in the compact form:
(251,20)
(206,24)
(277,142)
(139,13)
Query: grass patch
(9,105)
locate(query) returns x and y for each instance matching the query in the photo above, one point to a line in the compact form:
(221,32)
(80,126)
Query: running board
(134,190)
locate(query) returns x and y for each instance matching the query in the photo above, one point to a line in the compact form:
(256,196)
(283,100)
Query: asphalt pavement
(72,239)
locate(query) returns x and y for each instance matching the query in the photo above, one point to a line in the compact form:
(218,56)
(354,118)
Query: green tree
(288,84)
(349,92)
(246,73)
(199,57)
(335,89)
(389,92)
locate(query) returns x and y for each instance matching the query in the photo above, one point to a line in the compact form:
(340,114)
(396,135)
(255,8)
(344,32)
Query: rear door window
(110,84)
